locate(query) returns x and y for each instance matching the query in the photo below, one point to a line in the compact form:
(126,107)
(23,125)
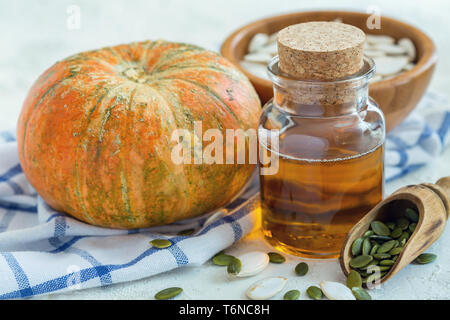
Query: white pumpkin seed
(260,57)
(252,263)
(270,48)
(257,42)
(390,65)
(391,49)
(379,39)
(336,291)
(257,69)
(409,48)
(266,288)
(409,66)
(373,53)
(273,37)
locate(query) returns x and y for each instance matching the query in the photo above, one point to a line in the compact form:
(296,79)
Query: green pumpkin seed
(360,261)
(403,242)
(387,262)
(394,258)
(372,263)
(357,246)
(380,228)
(387,246)
(301,269)
(384,268)
(314,292)
(186,232)
(160,243)
(366,247)
(354,279)
(397,232)
(234,267)
(380,238)
(395,251)
(403,223)
(168,293)
(291,295)
(361,294)
(381,256)
(391,225)
(425,258)
(412,227)
(412,215)
(368,233)
(375,276)
(222,259)
(405,236)
(275,257)
(374,249)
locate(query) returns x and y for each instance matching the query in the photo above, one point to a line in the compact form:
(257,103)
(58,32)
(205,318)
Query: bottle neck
(321,98)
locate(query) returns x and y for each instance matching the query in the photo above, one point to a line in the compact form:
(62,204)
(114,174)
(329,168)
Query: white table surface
(34,35)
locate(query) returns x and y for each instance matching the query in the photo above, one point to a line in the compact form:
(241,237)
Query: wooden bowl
(397,96)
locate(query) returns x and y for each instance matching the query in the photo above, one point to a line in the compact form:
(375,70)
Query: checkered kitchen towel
(44,251)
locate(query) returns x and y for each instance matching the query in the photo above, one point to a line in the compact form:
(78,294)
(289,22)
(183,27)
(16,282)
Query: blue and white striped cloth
(43,251)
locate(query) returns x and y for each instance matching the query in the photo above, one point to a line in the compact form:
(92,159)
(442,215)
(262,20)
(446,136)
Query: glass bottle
(326,160)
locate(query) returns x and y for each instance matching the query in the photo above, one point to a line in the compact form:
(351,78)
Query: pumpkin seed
(361,294)
(160,243)
(275,257)
(387,262)
(380,228)
(402,223)
(354,279)
(252,263)
(374,277)
(336,291)
(425,258)
(387,246)
(382,256)
(314,292)
(372,263)
(380,238)
(403,242)
(301,269)
(366,247)
(412,215)
(384,268)
(234,267)
(395,251)
(374,249)
(222,259)
(360,261)
(391,225)
(412,227)
(404,236)
(357,246)
(368,233)
(168,293)
(397,232)
(186,232)
(291,295)
(266,288)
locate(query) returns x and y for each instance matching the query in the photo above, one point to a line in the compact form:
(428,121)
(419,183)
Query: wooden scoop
(431,201)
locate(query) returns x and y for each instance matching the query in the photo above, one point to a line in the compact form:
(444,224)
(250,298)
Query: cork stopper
(320,50)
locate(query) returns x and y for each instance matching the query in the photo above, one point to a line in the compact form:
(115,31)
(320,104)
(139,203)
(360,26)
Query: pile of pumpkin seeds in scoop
(377,250)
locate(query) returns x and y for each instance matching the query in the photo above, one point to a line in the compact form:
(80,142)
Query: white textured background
(34,35)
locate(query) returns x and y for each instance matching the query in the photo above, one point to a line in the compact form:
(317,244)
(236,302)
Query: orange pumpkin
(94,134)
